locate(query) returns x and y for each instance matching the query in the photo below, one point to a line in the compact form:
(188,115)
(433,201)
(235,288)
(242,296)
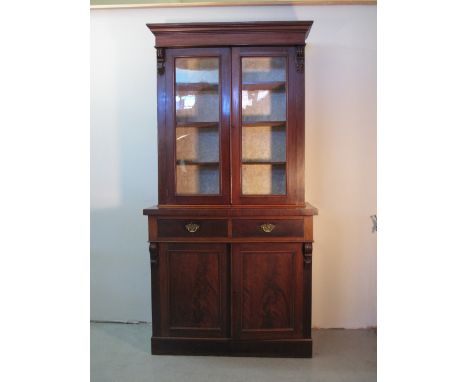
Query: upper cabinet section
(231,113)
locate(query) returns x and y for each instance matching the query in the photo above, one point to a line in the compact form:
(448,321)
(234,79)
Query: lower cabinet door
(193,290)
(267,295)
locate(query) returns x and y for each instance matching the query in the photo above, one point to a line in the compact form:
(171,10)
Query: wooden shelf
(273,163)
(182,162)
(198,124)
(272,86)
(264,123)
(196,87)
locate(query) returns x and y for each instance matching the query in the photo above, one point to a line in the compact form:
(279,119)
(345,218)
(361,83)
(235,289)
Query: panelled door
(264,136)
(193,291)
(195,98)
(267,282)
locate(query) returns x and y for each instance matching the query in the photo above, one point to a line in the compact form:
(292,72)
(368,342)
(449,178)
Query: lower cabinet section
(231,299)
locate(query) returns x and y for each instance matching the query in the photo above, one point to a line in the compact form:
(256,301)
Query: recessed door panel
(194,290)
(267,290)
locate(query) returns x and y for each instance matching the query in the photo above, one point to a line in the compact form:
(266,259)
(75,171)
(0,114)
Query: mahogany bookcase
(231,236)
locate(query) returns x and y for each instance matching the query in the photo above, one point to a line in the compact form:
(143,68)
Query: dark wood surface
(206,228)
(282,228)
(193,290)
(228,287)
(266,33)
(231,210)
(295,348)
(267,290)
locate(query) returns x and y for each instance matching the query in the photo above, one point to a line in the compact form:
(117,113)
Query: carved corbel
(307,252)
(161,57)
(300,58)
(154,256)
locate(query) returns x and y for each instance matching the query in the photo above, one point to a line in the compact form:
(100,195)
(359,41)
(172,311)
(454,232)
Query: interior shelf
(264,123)
(273,163)
(196,86)
(181,162)
(273,86)
(198,124)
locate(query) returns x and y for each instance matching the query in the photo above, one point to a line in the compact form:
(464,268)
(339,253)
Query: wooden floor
(121,352)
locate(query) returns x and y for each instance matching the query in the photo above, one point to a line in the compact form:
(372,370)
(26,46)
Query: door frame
(294,143)
(167,127)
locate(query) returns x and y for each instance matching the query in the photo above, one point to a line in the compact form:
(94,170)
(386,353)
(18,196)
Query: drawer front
(192,228)
(267,228)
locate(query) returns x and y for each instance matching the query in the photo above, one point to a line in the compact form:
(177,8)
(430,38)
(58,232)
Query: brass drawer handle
(192,227)
(267,227)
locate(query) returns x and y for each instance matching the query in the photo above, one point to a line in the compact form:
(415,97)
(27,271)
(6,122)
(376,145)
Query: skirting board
(300,348)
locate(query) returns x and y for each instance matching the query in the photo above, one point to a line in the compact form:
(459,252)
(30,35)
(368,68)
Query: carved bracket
(154,256)
(161,57)
(300,58)
(307,252)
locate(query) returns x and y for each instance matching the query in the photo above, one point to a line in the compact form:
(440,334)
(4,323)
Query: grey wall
(340,155)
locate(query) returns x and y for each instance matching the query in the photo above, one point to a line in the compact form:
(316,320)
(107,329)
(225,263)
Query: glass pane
(264,125)
(195,179)
(198,144)
(264,143)
(197,91)
(263,105)
(197,127)
(264,179)
(263,69)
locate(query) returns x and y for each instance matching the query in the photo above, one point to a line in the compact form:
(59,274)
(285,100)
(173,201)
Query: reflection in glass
(263,105)
(197,92)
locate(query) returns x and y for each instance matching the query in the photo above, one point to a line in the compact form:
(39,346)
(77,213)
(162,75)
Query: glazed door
(193,290)
(195,137)
(267,290)
(265,142)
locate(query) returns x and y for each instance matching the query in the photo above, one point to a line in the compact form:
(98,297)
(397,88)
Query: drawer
(192,228)
(267,228)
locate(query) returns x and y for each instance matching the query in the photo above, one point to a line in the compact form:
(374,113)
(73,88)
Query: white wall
(340,155)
